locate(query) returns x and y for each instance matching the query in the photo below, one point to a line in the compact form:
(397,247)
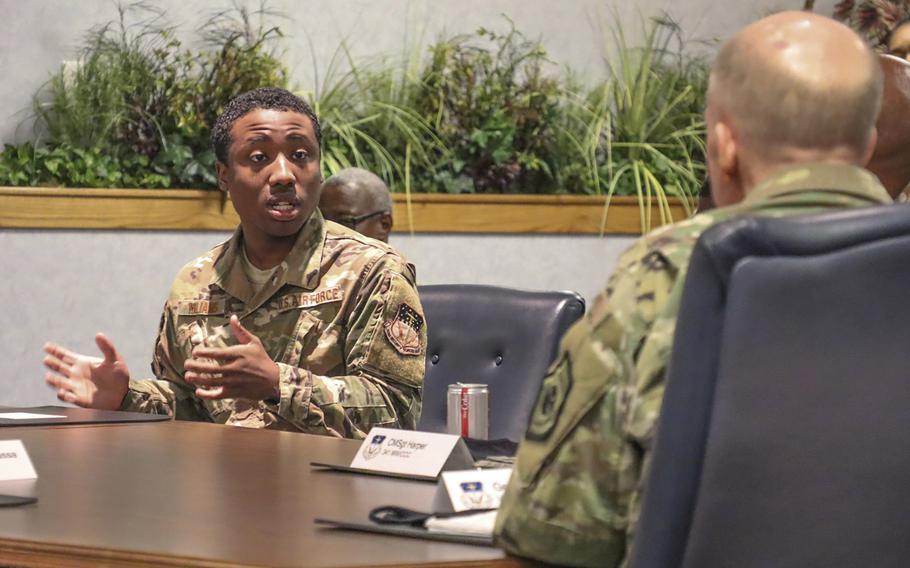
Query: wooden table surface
(193,494)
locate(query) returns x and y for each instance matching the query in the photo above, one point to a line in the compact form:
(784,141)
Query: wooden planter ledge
(189,209)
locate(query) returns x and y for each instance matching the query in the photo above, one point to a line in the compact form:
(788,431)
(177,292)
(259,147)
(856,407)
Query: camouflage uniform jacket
(340,316)
(574,494)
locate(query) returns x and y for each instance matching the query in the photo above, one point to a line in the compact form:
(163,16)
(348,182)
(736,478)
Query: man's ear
(870,147)
(386,223)
(221,173)
(727,150)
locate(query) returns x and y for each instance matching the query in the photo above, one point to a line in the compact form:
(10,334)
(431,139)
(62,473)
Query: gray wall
(65,286)
(37,35)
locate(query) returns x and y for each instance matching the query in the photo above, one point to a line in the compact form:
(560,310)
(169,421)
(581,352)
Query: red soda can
(468,410)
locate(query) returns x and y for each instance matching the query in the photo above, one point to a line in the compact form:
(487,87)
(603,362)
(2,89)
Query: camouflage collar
(300,268)
(840,178)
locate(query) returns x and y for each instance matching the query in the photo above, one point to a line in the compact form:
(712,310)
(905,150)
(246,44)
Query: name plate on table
(14,462)
(470,489)
(407,454)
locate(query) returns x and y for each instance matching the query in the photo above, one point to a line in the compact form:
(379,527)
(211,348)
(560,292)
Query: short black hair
(269,98)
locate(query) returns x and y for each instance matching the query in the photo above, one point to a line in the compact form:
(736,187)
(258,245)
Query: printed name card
(410,453)
(470,489)
(14,462)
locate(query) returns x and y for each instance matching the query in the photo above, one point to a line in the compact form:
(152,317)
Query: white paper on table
(27,415)
(478,524)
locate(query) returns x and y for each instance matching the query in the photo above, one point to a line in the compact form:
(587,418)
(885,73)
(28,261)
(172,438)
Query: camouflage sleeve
(168,393)
(570,497)
(385,342)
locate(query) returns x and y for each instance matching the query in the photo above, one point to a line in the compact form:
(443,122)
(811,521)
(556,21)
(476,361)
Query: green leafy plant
(368,119)
(490,101)
(64,164)
(484,112)
(136,98)
(650,110)
(113,95)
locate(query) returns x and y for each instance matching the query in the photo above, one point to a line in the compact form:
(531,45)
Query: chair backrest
(784,434)
(500,337)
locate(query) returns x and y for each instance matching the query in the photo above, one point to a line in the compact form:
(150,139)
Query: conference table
(195,494)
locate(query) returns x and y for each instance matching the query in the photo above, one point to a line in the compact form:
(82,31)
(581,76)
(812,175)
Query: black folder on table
(67,416)
(404,530)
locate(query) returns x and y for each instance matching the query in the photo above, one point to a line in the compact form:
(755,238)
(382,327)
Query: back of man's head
(891,160)
(360,200)
(794,87)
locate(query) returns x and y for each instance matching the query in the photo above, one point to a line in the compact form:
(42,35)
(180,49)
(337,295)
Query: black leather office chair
(784,438)
(500,337)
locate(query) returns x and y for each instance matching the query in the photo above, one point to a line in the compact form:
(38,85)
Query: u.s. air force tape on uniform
(470,489)
(14,461)
(411,453)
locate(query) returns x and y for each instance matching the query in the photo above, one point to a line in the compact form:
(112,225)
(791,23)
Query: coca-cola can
(468,410)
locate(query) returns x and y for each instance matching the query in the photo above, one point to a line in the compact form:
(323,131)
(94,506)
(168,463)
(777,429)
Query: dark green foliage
(485,113)
(493,108)
(66,165)
(135,108)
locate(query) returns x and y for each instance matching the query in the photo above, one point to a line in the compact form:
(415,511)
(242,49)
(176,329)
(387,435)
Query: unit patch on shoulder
(553,394)
(403,330)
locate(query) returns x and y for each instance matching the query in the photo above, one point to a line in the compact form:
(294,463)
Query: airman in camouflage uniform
(575,492)
(327,319)
(295,323)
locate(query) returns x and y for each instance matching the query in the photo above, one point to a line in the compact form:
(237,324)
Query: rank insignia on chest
(403,330)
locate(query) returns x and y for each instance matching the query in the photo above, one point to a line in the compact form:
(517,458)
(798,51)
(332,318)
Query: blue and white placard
(470,489)
(412,453)
(14,461)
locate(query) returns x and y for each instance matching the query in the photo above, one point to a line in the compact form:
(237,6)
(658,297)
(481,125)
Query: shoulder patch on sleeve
(403,330)
(553,394)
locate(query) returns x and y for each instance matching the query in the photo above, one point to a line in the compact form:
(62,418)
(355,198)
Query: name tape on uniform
(470,489)
(407,452)
(14,462)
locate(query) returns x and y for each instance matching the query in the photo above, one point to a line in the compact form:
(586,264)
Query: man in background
(891,160)
(359,200)
(792,103)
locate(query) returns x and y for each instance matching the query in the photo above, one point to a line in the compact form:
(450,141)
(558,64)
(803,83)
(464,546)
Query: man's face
(272,173)
(353,208)
(899,42)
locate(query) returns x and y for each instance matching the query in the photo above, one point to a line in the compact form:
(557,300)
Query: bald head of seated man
(791,88)
(891,160)
(360,200)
